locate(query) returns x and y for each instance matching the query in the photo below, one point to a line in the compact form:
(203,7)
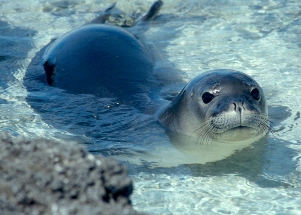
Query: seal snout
(232,113)
(233,106)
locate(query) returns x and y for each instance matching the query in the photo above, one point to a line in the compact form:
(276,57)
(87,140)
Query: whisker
(264,124)
(204,134)
(202,124)
(271,129)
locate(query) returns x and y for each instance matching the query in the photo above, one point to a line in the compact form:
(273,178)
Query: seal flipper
(150,15)
(153,11)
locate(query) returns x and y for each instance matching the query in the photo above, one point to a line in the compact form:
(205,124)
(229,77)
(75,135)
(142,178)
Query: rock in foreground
(47,177)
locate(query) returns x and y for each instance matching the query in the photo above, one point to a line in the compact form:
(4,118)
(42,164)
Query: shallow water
(260,38)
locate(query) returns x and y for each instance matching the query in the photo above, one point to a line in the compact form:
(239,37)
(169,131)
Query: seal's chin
(238,134)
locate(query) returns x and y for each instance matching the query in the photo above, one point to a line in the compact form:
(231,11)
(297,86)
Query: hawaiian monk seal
(222,105)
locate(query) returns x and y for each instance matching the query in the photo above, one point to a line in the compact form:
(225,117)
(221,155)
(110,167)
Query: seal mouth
(244,129)
(236,130)
(241,127)
(252,121)
(239,133)
(224,128)
(219,129)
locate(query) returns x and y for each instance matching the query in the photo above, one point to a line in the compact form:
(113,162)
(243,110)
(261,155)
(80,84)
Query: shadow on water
(262,164)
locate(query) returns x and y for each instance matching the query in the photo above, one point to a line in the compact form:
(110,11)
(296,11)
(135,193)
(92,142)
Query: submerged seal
(218,105)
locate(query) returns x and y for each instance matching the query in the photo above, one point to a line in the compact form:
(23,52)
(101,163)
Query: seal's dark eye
(207,97)
(255,94)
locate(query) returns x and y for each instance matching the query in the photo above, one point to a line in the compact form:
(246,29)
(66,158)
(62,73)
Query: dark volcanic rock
(47,177)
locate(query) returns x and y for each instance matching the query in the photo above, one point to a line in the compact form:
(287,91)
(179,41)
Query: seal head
(224,105)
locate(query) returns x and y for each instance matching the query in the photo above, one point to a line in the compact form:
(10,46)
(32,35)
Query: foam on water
(260,38)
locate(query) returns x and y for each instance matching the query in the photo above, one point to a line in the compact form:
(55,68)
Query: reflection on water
(256,37)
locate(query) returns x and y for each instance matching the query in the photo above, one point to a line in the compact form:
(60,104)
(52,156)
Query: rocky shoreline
(47,177)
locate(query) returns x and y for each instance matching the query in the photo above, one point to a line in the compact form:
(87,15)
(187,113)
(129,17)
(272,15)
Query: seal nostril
(240,109)
(255,94)
(207,97)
